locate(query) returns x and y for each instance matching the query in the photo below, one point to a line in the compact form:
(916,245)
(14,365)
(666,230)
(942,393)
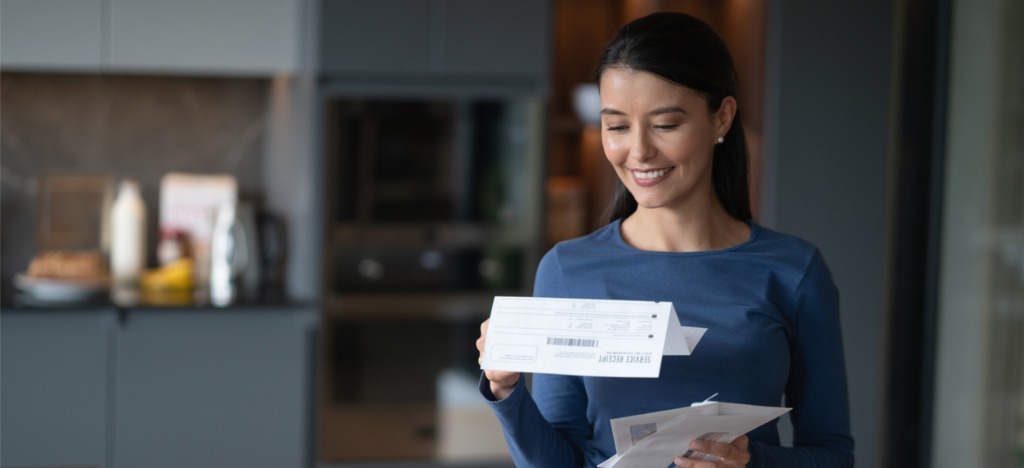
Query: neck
(694,229)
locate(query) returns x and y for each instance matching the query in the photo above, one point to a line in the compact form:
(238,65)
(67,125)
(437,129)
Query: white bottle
(127,235)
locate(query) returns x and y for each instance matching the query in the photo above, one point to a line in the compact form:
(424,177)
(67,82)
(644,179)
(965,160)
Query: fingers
(481,341)
(742,442)
(502,378)
(502,381)
(723,455)
(691,463)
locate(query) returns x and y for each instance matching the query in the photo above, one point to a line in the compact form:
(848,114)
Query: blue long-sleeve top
(772,314)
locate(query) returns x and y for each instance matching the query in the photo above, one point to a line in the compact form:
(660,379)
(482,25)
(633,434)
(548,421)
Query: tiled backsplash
(129,126)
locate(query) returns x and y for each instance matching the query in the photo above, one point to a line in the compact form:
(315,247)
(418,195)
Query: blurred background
(386,167)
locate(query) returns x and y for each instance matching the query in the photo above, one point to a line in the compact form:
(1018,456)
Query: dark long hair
(685,51)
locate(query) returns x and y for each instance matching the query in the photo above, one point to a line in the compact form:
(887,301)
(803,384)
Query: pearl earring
(720,140)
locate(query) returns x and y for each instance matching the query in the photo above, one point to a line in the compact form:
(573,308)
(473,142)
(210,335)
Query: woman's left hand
(734,454)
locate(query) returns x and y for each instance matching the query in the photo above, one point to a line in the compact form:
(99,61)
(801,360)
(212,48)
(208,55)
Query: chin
(649,203)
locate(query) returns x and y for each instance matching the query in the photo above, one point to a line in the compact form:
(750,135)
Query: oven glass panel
(409,161)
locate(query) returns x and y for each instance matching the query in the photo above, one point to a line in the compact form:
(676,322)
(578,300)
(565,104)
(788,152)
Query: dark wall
(827,145)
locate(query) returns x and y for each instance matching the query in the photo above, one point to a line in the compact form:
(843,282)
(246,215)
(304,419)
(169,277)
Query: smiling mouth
(648,175)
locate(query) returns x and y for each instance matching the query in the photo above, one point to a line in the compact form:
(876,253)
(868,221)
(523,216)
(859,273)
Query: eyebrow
(658,111)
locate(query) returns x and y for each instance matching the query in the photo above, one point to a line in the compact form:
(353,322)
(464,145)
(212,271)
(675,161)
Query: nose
(640,148)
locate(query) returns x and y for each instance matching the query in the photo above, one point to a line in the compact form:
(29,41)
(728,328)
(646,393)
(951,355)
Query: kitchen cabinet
(245,36)
(201,388)
(158,387)
(234,37)
(377,36)
(51,34)
(497,37)
(474,38)
(55,375)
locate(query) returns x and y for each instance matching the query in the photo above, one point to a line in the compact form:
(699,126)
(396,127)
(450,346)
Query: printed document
(589,337)
(655,439)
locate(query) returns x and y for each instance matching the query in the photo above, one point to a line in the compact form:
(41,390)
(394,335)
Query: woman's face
(660,137)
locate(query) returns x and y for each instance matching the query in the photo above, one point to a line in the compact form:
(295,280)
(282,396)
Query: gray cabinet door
(243,36)
(376,36)
(488,37)
(51,34)
(54,381)
(436,37)
(217,389)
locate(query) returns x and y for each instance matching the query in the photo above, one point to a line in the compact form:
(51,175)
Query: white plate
(56,290)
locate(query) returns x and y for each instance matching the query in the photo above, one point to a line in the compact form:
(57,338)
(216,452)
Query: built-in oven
(434,206)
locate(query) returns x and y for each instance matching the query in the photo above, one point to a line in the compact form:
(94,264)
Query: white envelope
(655,439)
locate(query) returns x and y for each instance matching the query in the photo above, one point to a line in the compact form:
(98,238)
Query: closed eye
(616,128)
(666,126)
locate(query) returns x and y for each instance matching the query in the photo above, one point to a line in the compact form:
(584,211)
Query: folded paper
(587,337)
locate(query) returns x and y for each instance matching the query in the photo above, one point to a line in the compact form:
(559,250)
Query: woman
(680,229)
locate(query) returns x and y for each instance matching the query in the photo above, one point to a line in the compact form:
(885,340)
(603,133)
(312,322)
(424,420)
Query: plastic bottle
(127,235)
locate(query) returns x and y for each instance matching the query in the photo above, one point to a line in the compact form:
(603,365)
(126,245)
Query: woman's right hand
(502,382)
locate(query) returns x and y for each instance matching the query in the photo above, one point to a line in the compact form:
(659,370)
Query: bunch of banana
(175,276)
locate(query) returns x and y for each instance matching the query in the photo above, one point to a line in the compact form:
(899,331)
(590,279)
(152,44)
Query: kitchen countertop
(134,301)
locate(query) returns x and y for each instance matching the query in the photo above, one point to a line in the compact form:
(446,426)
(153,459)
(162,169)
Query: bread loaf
(68,264)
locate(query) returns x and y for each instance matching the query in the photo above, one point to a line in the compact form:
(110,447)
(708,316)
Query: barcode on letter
(585,342)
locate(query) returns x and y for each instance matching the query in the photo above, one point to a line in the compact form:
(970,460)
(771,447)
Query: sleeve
(817,388)
(551,430)
(532,440)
